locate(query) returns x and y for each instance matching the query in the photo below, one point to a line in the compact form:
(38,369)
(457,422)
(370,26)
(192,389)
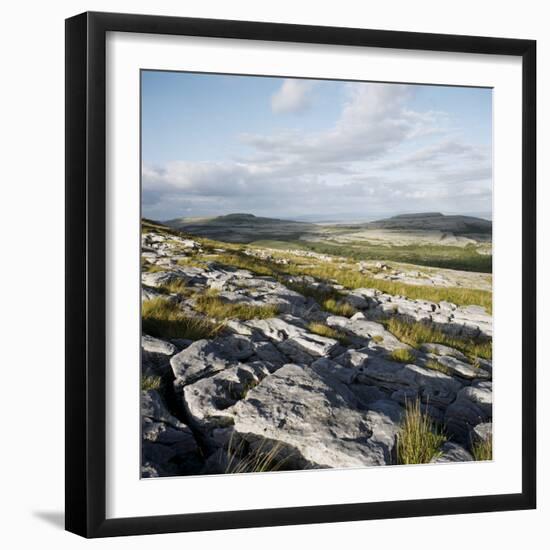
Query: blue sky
(311,149)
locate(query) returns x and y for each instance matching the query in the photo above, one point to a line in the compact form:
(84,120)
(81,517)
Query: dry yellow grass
(163,318)
(348,276)
(436,365)
(402,355)
(416,333)
(324,330)
(210,304)
(151,382)
(483,450)
(418,440)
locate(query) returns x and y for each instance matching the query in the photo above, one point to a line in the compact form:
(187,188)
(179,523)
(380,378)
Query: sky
(313,150)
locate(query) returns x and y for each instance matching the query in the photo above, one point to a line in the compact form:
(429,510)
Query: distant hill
(242,228)
(434,221)
(247,228)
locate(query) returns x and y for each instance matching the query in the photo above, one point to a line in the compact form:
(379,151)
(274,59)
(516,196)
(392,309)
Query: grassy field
(351,278)
(465,258)
(345,274)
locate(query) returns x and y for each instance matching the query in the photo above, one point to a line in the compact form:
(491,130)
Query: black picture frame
(86,279)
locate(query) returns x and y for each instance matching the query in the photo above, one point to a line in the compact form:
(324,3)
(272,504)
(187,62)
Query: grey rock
(453,452)
(357,300)
(482,432)
(150,344)
(318,418)
(411,381)
(462,369)
(153,407)
(204,358)
(440,349)
(367,394)
(343,374)
(155,356)
(472,406)
(207,400)
(268,353)
(366,330)
(295,352)
(168,445)
(352,359)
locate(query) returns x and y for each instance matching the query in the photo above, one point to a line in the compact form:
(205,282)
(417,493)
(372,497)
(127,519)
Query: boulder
(473,406)
(482,432)
(206,357)
(462,369)
(318,418)
(168,445)
(365,330)
(453,452)
(155,355)
(440,349)
(207,400)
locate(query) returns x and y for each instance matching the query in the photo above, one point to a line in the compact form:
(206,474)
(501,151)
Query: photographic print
(316,274)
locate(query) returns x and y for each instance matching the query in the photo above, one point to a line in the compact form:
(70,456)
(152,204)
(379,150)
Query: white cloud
(380,156)
(292,97)
(374,120)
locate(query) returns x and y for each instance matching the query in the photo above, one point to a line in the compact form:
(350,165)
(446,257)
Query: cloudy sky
(312,149)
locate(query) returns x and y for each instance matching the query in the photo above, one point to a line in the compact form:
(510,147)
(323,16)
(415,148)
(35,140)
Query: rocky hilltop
(435,221)
(242,228)
(257,360)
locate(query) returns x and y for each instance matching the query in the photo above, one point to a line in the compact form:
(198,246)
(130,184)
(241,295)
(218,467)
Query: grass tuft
(342,309)
(178,286)
(416,333)
(213,306)
(151,382)
(264,458)
(162,318)
(402,355)
(324,330)
(483,450)
(418,440)
(151,268)
(436,365)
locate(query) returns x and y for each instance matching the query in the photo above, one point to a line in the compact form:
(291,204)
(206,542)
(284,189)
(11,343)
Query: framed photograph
(300,274)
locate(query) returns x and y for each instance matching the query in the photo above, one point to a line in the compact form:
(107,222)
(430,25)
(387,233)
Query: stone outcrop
(278,386)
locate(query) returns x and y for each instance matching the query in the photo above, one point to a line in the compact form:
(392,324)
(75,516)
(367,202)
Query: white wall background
(32,229)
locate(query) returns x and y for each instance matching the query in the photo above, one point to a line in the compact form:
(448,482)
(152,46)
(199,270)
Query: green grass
(151,382)
(416,333)
(151,268)
(345,274)
(436,365)
(483,450)
(162,318)
(449,257)
(215,307)
(377,338)
(324,330)
(348,276)
(191,261)
(340,308)
(418,440)
(402,355)
(178,286)
(465,258)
